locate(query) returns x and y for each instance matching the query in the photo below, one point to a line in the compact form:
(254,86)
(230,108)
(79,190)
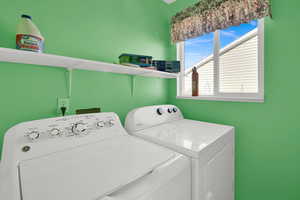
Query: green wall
(267,134)
(98,30)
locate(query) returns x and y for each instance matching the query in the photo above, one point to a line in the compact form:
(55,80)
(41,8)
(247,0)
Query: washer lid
(90,171)
(187,136)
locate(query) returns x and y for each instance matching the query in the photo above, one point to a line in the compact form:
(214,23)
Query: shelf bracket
(132,84)
(69,81)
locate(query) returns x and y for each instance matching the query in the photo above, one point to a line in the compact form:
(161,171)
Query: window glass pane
(234,33)
(199,53)
(238,61)
(206,80)
(198,49)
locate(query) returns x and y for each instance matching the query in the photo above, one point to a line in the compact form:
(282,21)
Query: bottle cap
(26,16)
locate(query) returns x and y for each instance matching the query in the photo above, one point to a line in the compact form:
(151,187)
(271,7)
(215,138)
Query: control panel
(149,116)
(39,138)
(71,126)
(62,140)
(162,110)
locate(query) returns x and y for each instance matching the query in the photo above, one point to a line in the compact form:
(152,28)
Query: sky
(199,48)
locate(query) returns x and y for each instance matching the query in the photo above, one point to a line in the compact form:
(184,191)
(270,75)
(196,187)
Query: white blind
(187,84)
(206,79)
(238,69)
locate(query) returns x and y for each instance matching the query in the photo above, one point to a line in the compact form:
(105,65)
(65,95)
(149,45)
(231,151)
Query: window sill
(218,98)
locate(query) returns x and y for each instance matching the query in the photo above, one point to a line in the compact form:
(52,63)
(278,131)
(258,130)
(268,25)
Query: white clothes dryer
(209,146)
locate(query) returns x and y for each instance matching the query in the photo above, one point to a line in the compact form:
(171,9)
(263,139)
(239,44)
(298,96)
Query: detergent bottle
(28,35)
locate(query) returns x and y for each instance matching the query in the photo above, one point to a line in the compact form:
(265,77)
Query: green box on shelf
(142,61)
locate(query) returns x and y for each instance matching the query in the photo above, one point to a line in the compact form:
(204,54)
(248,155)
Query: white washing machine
(88,157)
(209,146)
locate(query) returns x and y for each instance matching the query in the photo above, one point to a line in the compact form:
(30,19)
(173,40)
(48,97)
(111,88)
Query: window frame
(218,96)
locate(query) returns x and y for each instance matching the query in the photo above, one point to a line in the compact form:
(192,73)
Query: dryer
(209,146)
(88,157)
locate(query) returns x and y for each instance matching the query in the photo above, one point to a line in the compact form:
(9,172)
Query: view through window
(227,61)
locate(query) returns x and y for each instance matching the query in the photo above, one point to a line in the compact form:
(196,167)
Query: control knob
(100,124)
(159,111)
(55,132)
(33,135)
(175,110)
(79,128)
(170,110)
(111,122)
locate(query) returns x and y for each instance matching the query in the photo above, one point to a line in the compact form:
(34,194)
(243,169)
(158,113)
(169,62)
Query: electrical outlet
(63,102)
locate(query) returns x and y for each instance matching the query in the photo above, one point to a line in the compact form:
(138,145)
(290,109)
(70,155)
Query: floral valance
(210,15)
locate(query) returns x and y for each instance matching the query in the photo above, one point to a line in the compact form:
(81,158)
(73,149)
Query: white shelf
(27,57)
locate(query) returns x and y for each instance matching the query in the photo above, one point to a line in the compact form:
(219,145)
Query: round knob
(100,124)
(79,128)
(175,110)
(54,132)
(33,135)
(111,123)
(170,110)
(160,111)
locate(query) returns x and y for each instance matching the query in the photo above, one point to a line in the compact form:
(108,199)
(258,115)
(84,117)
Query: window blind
(238,68)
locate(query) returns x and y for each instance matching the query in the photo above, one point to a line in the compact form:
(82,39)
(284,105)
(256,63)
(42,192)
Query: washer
(209,146)
(88,157)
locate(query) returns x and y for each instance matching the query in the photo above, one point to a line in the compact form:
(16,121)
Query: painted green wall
(98,30)
(267,134)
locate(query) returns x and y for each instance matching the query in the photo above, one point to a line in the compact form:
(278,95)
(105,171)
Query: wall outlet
(63,102)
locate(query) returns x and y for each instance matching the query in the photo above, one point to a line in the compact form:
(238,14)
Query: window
(229,63)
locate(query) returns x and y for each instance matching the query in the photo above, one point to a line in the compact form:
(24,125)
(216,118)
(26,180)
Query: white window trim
(235,97)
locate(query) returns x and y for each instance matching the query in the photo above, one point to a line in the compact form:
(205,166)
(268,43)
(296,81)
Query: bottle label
(29,43)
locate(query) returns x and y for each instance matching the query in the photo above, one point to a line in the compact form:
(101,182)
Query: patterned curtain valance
(210,15)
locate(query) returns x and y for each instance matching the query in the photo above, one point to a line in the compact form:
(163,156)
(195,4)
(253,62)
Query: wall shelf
(27,57)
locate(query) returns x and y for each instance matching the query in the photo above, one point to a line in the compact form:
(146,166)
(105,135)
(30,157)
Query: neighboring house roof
(227,48)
